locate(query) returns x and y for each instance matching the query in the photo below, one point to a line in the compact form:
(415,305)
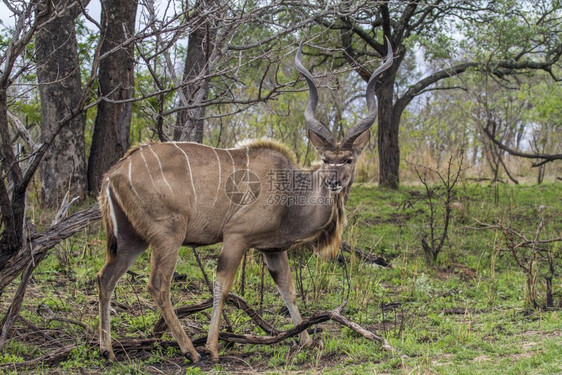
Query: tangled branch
(148,344)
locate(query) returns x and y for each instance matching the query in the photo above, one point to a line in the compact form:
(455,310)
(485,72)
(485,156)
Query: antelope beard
(327,242)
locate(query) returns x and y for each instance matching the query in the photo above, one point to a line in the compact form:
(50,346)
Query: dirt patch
(394,218)
(465,273)
(481,358)
(543,334)
(443,360)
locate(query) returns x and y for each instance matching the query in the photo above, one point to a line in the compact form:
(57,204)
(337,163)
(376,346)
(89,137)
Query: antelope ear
(320,143)
(361,141)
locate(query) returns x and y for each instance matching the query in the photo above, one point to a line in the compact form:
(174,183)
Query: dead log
(14,309)
(54,357)
(334,315)
(369,258)
(41,243)
(147,344)
(30,254)
(232,299)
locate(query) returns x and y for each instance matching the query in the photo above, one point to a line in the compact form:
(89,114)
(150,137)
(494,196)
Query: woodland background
(473,99)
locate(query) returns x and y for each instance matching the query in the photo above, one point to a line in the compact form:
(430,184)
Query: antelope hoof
(316,343)
(304,340)
(213,354)
(193,357)
(214,357)
(108,355)
(205,357)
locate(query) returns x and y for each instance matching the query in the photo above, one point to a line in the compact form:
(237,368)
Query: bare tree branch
(546,157)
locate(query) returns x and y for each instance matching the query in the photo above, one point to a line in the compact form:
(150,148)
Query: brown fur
(132,150)
(166,195)
(327,242)
(271,145)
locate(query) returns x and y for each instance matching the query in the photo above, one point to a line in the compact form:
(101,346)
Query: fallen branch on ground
(41,243)
(369,258)
(232,299)
(131,345)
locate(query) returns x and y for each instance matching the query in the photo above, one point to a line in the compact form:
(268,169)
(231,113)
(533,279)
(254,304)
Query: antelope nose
(333,183)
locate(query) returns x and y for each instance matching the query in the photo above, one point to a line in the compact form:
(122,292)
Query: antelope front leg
(278,266)
(229,259)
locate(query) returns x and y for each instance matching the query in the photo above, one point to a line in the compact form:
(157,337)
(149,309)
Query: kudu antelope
(171,194)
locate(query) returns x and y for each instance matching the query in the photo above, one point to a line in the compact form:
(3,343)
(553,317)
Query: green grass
(465,315)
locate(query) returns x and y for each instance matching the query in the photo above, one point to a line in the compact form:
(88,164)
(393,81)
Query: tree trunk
(387,136)
(190,121)
(540,174)
(12,203)
(116,83)
(58,74)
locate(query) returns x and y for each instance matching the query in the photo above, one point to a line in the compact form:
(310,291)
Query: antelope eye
(348,161)
(325,161)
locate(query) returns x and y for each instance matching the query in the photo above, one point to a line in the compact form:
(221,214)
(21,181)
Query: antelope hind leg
(108,276)
(163,263)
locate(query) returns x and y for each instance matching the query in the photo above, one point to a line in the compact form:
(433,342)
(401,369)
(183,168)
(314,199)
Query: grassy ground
(468,314)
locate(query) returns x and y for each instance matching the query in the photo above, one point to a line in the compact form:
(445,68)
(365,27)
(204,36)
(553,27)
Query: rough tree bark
(58,74)
(20,244)
(190,121)
(12,203)
(387,132)
(15,176)
(116,84)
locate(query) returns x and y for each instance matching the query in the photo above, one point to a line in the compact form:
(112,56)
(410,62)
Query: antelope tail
(108,218)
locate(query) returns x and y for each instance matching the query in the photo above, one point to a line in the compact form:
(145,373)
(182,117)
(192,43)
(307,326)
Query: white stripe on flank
(131,180)
(230,204)
(190,174)
(147,168)
(189,143)
(111,210)
(220,176)
(231,158)
(247,158)
(161,170)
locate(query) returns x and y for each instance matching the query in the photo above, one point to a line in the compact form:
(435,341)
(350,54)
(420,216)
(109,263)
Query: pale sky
(6,16)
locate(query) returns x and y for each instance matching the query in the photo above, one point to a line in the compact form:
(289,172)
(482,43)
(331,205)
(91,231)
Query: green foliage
(546,101)
(10,358)
(194,371)
(82,357)
(508,28)
(465,316)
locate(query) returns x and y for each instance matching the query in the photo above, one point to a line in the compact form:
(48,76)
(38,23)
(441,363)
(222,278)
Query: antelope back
(194,191)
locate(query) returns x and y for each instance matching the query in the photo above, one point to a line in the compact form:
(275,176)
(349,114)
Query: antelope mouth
(336,189)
